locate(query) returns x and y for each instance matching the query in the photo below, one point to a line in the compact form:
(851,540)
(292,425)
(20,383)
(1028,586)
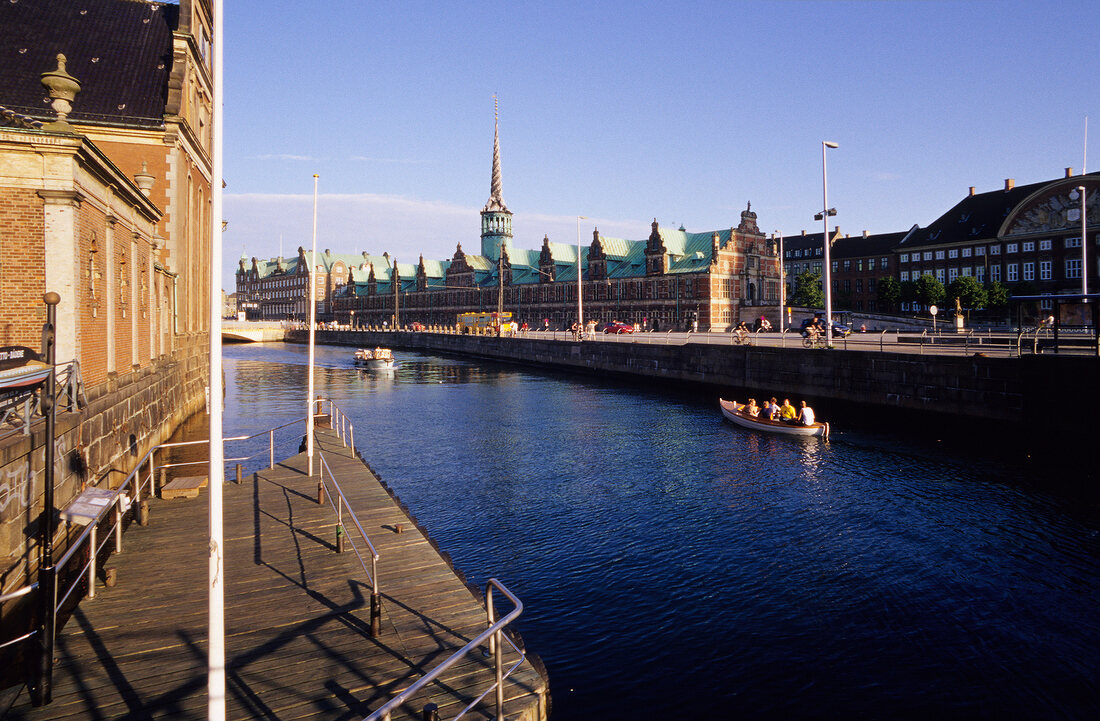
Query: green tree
(807,290)
(969,291)
(997,295)
(909,291)
(889,293)
(930,291)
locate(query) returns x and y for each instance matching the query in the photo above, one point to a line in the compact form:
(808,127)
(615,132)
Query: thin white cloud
(391,161)
(282,156)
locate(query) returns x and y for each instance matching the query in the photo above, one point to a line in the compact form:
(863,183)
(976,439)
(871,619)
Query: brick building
(105,177)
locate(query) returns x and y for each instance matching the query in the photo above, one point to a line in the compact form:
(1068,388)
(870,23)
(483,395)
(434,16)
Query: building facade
(105,177)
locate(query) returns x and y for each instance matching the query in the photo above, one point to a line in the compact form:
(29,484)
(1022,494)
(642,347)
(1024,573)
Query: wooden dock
(297,614)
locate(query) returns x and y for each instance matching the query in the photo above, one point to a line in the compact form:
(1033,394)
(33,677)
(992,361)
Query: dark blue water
(676,566)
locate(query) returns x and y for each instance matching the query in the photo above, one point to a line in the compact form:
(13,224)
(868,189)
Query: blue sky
(628,111)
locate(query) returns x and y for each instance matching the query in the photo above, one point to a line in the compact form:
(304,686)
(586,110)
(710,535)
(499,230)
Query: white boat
(732,411)
(375,360)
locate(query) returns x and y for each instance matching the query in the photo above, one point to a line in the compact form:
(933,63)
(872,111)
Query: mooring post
(240,469)
(375,615)
(143,513)
(431,713)
(339,539)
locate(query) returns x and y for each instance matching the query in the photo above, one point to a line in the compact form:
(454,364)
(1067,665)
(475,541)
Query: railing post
(375,614)
(91,563)
(152,472)
(430,713)
(351,430)
(118,524)
(239,470)
(271,448)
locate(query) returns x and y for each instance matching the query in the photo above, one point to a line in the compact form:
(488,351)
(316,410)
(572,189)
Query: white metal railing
(339,503)
(495,635)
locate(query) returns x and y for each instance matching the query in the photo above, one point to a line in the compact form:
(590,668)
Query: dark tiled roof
(863,246)
(974,217)
(119,50)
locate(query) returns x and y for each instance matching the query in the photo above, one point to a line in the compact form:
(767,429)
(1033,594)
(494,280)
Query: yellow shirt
(789,413)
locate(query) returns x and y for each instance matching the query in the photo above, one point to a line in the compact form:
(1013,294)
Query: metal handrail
(372,572)
(494,633)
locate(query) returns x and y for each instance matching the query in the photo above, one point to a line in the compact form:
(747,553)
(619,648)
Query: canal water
(675,566)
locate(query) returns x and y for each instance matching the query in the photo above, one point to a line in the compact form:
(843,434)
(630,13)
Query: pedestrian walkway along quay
(298,614)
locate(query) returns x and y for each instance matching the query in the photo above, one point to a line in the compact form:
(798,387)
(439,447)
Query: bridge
(252,331)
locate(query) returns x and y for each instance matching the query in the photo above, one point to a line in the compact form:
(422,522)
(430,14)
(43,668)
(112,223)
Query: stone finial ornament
(63,89)
(144,180)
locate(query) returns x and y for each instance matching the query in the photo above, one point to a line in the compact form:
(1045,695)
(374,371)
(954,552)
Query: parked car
(417,326)
(839,330)
(617,327)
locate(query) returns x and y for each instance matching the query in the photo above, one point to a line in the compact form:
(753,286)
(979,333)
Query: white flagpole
(216,611)
(312,331)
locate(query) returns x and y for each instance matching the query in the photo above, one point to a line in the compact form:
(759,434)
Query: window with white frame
(847,266)
(939,274)
(904,258)
(1046,304)
(966,271)
(995,273)
(1028,246)
(1012,272)
(835,265)
(1044,245)
(952,274)
(953,253)
(904,276)
(979,251)
(1073,268)
(1029,270)
(927,255)
(939,255)
(886,264)
(966,252)
(1010,248)
(994,250)
(1045,270)
(1073,242)
(870,264)
(979,273)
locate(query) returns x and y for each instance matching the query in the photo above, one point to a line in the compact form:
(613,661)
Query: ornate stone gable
(748,221)
(656,255)
(1059,211)
(421,275)
(597,258)
(460,273)
(546,262)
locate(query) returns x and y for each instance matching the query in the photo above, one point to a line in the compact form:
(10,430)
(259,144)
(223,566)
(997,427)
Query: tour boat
(23,378)
(375,360)
(731,410)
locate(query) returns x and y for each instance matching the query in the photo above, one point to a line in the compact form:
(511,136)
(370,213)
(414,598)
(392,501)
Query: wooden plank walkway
(297,614)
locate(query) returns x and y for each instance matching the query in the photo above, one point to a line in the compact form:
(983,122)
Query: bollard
(110,577)
(431,713)
(375,615)
(143,513)
(320,493)
(240,469)
(398,528)
(163,477)
(339,539)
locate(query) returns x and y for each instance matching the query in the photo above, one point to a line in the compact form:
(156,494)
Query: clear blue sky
(628,111)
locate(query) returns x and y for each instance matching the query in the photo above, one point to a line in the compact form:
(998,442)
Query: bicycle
(813,339)
(740,337)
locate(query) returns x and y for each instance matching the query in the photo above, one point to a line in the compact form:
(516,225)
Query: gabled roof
(119,50)
(975,217)
(867,245)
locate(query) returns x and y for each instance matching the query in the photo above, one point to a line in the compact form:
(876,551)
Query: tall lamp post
(580,288)
(1080,190)
(312,331)
(782,281)
(824,216)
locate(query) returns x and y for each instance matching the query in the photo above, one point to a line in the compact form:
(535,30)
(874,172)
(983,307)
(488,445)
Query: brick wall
(22,268)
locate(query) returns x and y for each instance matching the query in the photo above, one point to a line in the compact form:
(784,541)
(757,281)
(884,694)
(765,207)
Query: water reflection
(675,565)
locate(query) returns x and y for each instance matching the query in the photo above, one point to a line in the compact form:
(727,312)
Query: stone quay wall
(100,444)
(1006,391)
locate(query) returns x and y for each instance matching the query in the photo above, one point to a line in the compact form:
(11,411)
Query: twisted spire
(496,187)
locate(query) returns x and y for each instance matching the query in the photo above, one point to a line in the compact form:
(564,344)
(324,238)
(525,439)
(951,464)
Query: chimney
(971,191)
(1069,172)
(803,233)
(865,234)
(1010,183)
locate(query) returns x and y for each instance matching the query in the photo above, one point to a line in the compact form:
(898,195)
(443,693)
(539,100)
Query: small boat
(375,360)
(22,378)
(732,411)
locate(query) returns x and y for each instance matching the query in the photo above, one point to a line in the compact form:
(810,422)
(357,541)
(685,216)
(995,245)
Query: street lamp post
(580,288)
(782,281)
(1084,244)
(824,216)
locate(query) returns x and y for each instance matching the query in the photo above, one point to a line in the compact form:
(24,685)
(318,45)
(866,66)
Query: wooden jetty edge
(297,614)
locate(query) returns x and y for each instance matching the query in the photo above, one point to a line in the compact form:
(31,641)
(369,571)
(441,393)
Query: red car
(617,327)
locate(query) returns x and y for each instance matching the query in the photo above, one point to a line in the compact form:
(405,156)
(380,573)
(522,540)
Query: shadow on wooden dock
(298,643)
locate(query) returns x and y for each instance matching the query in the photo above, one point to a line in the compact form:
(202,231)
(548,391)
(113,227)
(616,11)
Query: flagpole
(216,610)
(312,331)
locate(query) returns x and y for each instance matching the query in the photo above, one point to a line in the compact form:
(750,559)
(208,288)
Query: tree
(807,290)
(889,292)
(929,290)
(908,291)
(969,291)
(997,295)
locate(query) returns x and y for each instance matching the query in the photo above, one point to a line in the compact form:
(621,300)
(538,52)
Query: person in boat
(771,410)
(787,413)
(805,415)
(751,409)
